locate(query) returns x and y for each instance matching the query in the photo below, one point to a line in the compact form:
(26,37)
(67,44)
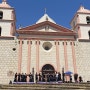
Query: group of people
(43,77)
(38,77)
(23,77)
(48,77)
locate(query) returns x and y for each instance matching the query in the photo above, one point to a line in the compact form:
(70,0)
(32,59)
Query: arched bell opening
(0,30)
(89,34)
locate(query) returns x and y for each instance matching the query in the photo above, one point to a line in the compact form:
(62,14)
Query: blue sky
(61,11)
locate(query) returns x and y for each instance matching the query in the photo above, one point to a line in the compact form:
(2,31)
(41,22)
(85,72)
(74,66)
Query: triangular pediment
(46,27)
(53,31)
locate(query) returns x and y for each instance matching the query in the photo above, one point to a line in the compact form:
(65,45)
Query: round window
(47,45)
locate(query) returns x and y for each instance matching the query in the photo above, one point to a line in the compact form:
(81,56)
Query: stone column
(29,59)
(20,56)
(74,57)
(66,59)
(37,56)
(57,56)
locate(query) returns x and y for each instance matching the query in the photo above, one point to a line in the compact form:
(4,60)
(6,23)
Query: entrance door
(48,69)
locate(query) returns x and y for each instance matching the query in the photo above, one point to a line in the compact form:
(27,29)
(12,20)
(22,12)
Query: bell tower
(81,23)
(7,19)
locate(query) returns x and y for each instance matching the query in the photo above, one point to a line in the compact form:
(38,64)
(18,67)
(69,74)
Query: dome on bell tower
(4,4)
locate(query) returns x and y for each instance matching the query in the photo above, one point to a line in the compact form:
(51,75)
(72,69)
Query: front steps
(55,86)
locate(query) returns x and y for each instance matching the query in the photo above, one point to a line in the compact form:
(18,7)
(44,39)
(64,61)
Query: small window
(22,42)
(1,15)
(66,43)
(0,30)
(31,42)
(36,42)
(47,46)
(74,43)
(89,34)
(88,19)
(39,42)
(58,43)
(63,43)
(14,49)
(18,42)
(70,43)
(55,43)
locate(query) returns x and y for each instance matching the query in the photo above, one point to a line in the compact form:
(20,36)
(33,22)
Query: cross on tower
(45,10)
(4,0)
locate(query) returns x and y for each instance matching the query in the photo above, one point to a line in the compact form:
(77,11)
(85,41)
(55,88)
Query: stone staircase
(55,86)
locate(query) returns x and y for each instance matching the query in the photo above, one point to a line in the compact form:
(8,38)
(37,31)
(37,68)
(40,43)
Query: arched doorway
(48,69)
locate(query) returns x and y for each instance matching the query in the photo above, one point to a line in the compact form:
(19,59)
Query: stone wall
(83,59)
(8,60)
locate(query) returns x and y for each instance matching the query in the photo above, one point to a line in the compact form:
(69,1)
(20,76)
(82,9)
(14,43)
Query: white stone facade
(9,58)
(44,43)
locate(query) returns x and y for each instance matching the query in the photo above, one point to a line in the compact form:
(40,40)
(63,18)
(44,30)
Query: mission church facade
(45,46)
